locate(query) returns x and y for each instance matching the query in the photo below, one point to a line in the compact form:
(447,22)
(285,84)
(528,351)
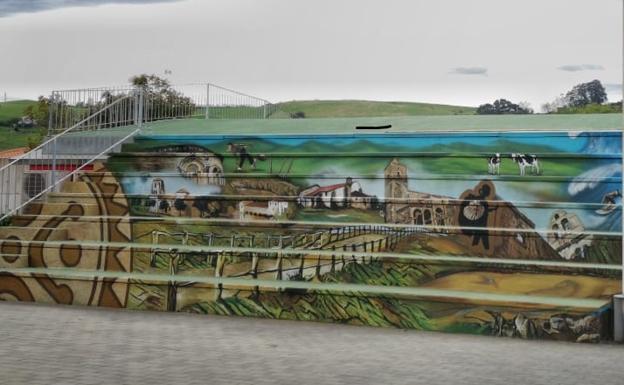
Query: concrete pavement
(72,345)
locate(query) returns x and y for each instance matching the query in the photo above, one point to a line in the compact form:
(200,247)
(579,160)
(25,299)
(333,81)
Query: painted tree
(180,205)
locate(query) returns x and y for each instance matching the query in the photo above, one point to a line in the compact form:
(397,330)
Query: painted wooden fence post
(301,265)
(278,266)
(254,272)
(152,261)
(318,267)
(219,273)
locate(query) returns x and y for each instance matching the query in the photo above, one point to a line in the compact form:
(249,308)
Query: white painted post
(141,96)
(51,110)
(136,108)
(207,100)
(53,176)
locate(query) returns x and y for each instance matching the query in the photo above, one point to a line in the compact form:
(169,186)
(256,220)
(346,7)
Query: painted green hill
(365,108)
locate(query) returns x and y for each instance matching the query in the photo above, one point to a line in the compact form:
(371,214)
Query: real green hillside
(365,108)
(10,112)
(593,108)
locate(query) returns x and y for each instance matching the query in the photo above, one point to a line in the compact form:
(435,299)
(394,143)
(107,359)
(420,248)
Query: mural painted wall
(514,234)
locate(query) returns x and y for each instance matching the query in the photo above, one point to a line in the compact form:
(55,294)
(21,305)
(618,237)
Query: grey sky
(581,67)
(11,7)
(447,51)
(470,71)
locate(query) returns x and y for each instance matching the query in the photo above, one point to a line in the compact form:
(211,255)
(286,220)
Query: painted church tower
(395,178)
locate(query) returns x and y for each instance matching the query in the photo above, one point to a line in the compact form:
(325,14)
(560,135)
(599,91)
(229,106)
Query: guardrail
(18,189)
(199,100)
(94,109)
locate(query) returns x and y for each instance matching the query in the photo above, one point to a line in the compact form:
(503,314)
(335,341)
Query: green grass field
(26,137)
(13,110)
(365,108)
(9,138)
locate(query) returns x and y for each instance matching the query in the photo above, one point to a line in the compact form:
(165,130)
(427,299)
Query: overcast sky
(443,51)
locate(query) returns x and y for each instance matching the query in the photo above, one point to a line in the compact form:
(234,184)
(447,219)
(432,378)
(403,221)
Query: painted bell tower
(395,177)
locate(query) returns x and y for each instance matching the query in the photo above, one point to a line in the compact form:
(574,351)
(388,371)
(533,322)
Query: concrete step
(88,199)
(547,317)
(379,264)
(31,233)
(48,211)
(542,245)
(78,187)
(427,212)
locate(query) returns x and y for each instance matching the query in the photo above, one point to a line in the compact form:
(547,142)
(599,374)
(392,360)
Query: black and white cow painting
(494,163)
(525,161)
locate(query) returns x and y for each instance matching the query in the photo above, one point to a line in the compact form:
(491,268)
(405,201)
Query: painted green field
(365,108)
(454,159)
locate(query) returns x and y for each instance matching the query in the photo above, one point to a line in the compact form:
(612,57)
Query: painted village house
(341,195)
(261,210)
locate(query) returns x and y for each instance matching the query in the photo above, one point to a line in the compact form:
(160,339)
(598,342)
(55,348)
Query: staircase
(408,230)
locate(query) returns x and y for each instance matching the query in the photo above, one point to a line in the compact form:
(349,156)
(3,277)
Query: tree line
(590,97)
(159,95)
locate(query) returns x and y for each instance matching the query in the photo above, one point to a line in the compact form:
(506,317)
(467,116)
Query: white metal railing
(198,100)
(92,109)
(78,167)
(29,176)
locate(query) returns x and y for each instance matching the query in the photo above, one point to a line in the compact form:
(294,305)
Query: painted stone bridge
(411,228)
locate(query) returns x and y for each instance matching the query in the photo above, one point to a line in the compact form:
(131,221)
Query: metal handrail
(52,186)
(55,137)
(40,157)
(116,107)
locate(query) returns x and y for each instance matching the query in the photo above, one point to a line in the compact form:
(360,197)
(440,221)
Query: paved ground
(69,345)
